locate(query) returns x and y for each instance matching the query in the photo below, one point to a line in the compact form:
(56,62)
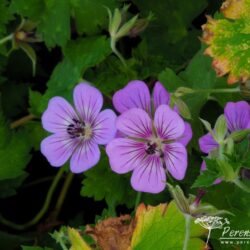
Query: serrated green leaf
(91,15)
(54,25)
(28,8)
(208,176)
(101,183)
(163,227)
(5,16)
(79,56)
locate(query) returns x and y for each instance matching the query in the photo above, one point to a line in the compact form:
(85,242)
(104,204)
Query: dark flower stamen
(151,148)
(76,129)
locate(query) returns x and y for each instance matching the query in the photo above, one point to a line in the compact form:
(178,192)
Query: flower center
(79,129)
(154,146)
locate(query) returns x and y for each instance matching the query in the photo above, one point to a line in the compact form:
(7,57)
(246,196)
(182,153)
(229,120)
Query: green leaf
(76,240)
(55,23)
(35,248)
(207,177)
(28,8)
(183,108)
(79,56)
(220,128)
(239,135)
(8,187)
(171,34)
(30,52)
(5,17)
(163,227)
(101,183)
(14,151)
(91,15)
(34,102)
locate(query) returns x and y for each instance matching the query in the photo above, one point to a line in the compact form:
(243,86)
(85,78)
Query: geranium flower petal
(58,115)
(160,95)
(86,155)
(207,143)
(135,95)
(150,176)
(168,123)
(88,101)
(57,148)
(104,127)
(175,156)
(237,115)
(125,154)
(135,123)
(187,135)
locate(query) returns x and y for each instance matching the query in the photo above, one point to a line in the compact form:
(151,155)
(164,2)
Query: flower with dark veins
(136,95)
(77,131)
(149,147)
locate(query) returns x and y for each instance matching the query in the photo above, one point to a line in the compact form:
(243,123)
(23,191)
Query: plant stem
(138,199)
(241,185)
(22,120)
(226,90)
(42,211)
(208,237)
(62,195)
(187,231)
(6,39)
(118,54)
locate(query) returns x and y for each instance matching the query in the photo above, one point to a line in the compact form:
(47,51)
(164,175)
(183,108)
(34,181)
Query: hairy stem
(62,195)
(241,185)
(118,54)
(22,121)
(187,231)
(226,90)
(6,39)
(43,210)
(138,199)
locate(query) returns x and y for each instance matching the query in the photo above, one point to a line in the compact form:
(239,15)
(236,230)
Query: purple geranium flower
(237,117)
(77,132)
(136,94)
(151,141)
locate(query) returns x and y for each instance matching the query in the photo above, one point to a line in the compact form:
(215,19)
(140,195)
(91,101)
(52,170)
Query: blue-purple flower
(77,130)
(152,138)
(237,116)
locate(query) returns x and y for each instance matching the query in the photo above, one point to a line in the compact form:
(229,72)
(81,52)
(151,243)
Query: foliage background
(75,44)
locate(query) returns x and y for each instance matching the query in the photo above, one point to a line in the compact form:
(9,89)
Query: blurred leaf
(171,33)
(5,16)
(30,52)
(101,183)
(35,248)
(8,187)
(228,39)
(163,227)
(91,15)
(34,102)
(77,242)
(208,176)
(14,151)
(28,8)
(35,134)
(79,56)
(55,23)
